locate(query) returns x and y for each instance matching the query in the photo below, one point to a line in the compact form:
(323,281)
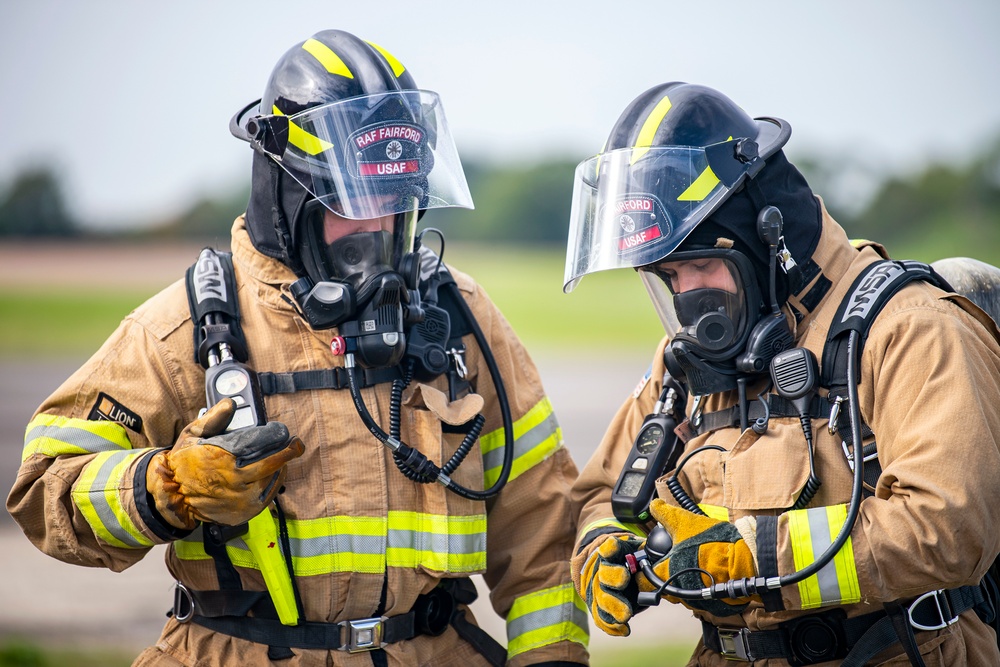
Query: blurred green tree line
(947,207)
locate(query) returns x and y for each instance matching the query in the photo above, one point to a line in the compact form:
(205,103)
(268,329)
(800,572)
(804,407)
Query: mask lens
(700,293)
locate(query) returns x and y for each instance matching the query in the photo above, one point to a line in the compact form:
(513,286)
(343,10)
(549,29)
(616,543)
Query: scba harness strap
(229,612)
(832,636)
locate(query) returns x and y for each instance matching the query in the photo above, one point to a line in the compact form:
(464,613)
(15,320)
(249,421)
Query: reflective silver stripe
(53,435)
(819,528)
(96,495)
(546,617)
(536,436)
(811,532)
(370,544)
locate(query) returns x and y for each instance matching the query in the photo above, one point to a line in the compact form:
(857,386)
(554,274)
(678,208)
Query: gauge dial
(650,438)
(231,382)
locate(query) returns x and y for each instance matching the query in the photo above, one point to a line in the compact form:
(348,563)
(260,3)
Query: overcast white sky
(130,101)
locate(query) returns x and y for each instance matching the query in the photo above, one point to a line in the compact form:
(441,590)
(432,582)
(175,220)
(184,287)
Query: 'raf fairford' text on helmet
(342,124)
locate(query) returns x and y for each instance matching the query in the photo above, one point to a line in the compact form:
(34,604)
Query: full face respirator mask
(710,302)
(359,282)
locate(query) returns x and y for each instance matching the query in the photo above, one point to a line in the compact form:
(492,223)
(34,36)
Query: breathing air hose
(421,468)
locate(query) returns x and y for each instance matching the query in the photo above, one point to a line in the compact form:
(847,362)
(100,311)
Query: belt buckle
(363,634)
(943,611)
(733,644)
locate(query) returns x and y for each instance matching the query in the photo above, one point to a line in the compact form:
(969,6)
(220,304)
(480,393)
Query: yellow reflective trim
(408,557)
(526,461)
(702,186)
(397,67)
(613,523)
(53,435)
(561,604)
(339,562)
(648,130)
(96,495)
(327,58)
(350,533)
(549,597)
(715,512)
(847,572)
(337,525)
(800,535)
(532,418)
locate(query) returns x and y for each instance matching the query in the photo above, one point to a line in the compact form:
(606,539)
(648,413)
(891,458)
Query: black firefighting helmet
(342,124)
(676,153)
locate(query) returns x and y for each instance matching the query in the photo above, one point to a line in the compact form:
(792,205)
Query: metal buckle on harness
(850,455)
(363,634)
(734,645)
(943,610)
(182,595)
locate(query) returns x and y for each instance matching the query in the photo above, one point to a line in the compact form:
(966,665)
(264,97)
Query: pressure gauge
(656,447)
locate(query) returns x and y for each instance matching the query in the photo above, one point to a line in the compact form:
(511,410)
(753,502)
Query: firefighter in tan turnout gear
(375,431)
(729,481)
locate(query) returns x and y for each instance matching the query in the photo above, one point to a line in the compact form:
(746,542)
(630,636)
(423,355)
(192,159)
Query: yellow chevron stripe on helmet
(327,58)
(397,67)
(648,129)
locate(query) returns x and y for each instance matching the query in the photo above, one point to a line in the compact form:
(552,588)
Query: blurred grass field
(608,311)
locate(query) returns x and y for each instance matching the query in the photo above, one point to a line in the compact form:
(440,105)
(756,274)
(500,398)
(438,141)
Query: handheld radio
(656,449)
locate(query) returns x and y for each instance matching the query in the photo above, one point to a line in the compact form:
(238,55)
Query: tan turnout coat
(347,504)
(930,390)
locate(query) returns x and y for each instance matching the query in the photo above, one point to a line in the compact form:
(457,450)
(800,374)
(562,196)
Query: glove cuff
(146,504)
(748,531)
(165,492)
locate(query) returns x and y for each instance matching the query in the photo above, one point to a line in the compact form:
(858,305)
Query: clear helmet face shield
(633,206)
(369,156)
(707,298)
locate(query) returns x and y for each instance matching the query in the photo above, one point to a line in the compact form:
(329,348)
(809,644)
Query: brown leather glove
(705,551)
(213,476)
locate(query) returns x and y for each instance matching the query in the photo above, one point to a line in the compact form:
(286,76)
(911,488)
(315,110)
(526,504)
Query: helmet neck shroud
(778,184)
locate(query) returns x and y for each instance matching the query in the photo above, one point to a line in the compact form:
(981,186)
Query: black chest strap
(819,408)
(326,378)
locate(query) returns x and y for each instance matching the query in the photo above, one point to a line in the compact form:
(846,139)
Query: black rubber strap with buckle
(356,635)
(226,611)
(831,635)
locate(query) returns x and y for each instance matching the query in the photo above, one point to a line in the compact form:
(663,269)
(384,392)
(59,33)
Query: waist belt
(832,636)
(226,611)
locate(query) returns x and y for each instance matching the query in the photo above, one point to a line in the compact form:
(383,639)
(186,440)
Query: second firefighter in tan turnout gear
(735,251)
(405,462)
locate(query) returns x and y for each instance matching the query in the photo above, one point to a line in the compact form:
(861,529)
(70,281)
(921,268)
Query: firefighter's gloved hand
(608,587)
(213,476)
(722,549)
